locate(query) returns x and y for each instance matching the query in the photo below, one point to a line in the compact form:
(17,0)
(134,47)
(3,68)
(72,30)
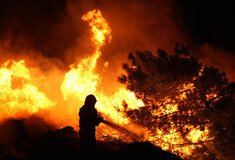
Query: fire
(173,140)
(82,78)
(21,94)
(18,93)
(99,27)
(196,135)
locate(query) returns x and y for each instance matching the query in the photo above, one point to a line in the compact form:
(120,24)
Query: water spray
(127,132)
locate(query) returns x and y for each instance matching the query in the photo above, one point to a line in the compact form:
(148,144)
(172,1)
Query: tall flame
(82,78)
(99,27)
(21,95)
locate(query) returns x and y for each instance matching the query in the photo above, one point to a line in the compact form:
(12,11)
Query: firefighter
(88,120)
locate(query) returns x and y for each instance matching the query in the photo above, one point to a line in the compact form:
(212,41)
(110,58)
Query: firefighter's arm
(99,120)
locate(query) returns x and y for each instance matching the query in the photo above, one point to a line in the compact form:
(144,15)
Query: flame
(21,94)
(196,135)
(99,27)
(173,141)
(18,92)
(82,79)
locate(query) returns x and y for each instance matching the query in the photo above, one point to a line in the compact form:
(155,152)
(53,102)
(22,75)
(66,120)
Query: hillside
(16,143)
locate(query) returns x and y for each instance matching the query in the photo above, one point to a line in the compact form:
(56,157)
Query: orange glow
(18,92)
(82,78)
(99,27)
(21,94)
(173,141)
(196,135)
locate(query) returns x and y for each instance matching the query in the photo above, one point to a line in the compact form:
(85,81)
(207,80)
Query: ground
(64,144)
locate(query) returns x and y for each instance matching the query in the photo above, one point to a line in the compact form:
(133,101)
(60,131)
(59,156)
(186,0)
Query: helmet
(90,99)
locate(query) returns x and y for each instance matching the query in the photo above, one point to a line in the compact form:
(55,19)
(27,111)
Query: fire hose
(123,130)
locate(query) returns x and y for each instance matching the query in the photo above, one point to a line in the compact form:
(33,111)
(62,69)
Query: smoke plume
(51,36)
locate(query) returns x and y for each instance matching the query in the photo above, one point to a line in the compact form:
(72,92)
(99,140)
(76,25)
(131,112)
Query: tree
(183,98)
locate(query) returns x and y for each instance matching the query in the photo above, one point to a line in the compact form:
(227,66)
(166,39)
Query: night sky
(210,22)
(54,28)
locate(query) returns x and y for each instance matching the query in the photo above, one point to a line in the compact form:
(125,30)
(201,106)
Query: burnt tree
(203,95)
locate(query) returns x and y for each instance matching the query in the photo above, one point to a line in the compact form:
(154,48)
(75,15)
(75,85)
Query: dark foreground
(64,144)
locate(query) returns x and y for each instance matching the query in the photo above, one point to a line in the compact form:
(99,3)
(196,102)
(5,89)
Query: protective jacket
(88,120)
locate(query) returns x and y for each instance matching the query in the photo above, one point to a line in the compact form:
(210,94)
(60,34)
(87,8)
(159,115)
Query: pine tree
(181,94)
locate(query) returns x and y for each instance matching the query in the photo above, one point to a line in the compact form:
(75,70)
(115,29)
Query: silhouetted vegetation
(203,95)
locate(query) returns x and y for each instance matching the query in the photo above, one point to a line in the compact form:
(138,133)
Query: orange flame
(99,27)
(82,78)
(18,92)
(173,141)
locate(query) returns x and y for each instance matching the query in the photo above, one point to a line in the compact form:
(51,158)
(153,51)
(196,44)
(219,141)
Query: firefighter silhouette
(88,120)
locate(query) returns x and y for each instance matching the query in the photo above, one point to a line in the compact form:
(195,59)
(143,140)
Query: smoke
(223,60)
(210,29)
(54,30)
(50,35)
(136,25)
(40,25)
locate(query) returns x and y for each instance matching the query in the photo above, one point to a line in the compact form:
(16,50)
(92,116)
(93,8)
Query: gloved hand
(100,119)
